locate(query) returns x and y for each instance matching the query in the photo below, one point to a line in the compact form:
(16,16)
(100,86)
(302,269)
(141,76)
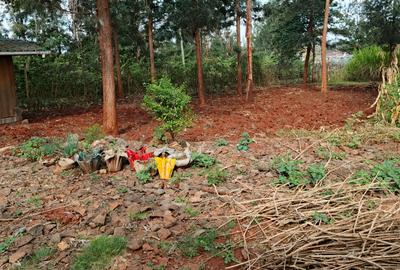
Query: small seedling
(93,133)
(35,201)
(316,172)
(99,253)
(192,212)
(354,143)
(244,143)
(217,176)
(202,160)
(289,171)
(122,189)
(138,216)
(326,154)
(321,218)
(144,176)
(221,142)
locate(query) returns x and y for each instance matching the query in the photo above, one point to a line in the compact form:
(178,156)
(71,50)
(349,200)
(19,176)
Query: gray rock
(119,231)
(66,164)
(135,244)
(36,230)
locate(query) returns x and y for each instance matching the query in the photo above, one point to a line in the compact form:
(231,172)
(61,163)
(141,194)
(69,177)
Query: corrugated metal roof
(20,47)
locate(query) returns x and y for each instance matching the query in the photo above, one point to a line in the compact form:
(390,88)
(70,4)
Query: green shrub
(202,160)
(99,253)
(289,171)
(244,143)
(169,105)
(316,172)
(71,146)
(365,64)
(37,148)
(217,176)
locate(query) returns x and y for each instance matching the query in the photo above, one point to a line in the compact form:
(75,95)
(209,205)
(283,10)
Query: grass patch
(99,253)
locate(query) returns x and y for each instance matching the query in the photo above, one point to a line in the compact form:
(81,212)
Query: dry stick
(36,214)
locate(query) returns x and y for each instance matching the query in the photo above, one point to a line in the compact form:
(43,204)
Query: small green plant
(138,216)
(289,171)
(244,143)
(36,148)
(71,146)
(169,104)
(361,177)
(122,189)
(217,176)
(159,135)
(155,267)
(326,154)
(180,177)
(99,253)
(6,244)
(316,172)
(37,257)
(354,143)
(335,140)
(35,201)
(227,252)
(93,133)
(388,174)
(221,142)
(191,211)
(167,247)
(190,245)
(144,176)
(321,218)
(202,160)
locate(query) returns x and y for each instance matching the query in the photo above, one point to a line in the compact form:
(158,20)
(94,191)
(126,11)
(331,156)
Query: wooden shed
(8,96)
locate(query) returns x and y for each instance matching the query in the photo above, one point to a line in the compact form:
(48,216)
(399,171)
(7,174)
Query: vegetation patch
(99,253)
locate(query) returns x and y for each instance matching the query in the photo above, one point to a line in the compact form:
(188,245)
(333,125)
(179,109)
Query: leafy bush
(217,176)
(317,172)
(99,253)
(365,64)
(202,160)
(244,143)
(37,148)
(168,104)
(289,171)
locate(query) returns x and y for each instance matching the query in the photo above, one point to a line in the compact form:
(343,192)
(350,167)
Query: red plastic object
(142,155)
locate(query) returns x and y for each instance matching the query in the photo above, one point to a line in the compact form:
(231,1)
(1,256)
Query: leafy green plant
(202,160)
(244,143)
(388,174)
(354,142)
(179,177)
(144,176)
(316,172)
(169,104)
(361,177)
(6,244)
(159,135)
(191,211)
(36,148)
(221,142)
(93,133)
(325,153)
(217,176)
(71,146)
(289,171)
(99,253)
(138,216)
(321,218)
(227,252)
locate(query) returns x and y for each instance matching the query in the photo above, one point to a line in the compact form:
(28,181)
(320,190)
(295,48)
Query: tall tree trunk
(324,73)
(26,70)
(310,30)
(239,74)
(249,86)
(306,66)
(207,47)
(182,48)
(314,71)
(107,67)
(200,81)
(118,65)
(153,73)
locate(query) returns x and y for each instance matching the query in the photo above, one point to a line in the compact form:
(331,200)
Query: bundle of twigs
(340,226)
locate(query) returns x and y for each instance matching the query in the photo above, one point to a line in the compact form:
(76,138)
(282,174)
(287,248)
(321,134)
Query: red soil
(272,109)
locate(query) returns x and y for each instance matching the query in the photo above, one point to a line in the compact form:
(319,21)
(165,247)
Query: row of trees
(146,32)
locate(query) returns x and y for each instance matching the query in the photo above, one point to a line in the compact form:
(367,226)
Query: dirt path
(273,109)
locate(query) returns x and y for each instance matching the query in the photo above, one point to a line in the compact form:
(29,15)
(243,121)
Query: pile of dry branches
(340,226)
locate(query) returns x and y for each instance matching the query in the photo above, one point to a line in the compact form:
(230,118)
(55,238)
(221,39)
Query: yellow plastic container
(165,167)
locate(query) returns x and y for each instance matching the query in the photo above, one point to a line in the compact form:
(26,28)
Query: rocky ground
(44,207)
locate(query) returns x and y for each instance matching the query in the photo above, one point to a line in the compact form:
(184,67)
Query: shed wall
(7,88)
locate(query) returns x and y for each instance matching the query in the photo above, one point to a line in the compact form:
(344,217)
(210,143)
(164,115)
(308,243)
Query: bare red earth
(272,109)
